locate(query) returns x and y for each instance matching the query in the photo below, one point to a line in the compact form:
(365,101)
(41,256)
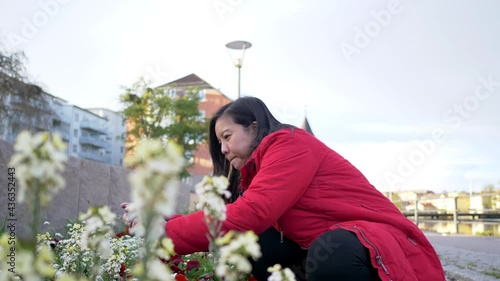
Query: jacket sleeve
(286,168)
(188,233)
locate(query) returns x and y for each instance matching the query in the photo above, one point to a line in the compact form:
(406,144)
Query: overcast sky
(408,91)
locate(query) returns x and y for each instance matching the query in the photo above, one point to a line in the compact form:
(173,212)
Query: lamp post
(239,48)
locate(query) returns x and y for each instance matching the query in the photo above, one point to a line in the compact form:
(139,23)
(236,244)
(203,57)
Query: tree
(152,113)
(11,70)
(487,196)
(23,106)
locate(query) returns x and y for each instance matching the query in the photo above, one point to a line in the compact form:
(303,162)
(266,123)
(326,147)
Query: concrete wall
(88,183)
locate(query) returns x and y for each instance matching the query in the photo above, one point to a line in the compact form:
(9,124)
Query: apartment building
(88,132)
(26,107)
(90,135)
(115,135)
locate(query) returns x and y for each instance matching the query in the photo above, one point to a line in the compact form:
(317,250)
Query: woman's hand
(127,218)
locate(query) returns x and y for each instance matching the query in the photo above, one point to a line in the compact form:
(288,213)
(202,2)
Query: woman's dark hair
(243,111)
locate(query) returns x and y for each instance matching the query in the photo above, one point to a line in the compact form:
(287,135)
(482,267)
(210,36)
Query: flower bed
(91,250)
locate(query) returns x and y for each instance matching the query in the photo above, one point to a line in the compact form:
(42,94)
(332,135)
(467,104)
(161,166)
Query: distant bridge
(455,216)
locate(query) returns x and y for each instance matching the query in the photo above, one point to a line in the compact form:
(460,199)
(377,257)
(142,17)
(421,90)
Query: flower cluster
(27,266)
(154,183)
(71,256)
(91,251)
(280,274)
(234,250)
(38,159)
(98,224)
(74,258)
(211,191)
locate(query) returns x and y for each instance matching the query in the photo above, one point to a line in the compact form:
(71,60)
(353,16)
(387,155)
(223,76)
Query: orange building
(211,100)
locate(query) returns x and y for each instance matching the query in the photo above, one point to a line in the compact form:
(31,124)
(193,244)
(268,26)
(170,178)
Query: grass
(471,264)
(485,233)
(492,272)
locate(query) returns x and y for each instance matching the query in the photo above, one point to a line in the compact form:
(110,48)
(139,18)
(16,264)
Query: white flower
(38,160)
(154,183)
(210,192)
(278,274)
(158,271)
(233,255)
(98,226)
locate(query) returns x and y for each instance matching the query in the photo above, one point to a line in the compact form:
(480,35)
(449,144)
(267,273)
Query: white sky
(412,73)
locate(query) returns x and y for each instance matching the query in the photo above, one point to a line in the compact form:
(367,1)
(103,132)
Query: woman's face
(235,140)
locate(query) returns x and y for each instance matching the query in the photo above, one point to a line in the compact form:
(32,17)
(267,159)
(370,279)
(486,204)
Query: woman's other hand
(129,220)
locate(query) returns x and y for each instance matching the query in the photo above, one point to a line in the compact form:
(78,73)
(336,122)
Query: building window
(121,162)
(202,116)
(121,149)
(172,92)
(77,117)
(74,147)
(75,133)
(202,95)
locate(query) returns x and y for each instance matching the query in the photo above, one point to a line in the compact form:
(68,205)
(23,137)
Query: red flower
(123,233)
(180,277)
(192,264)
(176,269)
(54,242)
(176,259)
(122,269)
(251,278)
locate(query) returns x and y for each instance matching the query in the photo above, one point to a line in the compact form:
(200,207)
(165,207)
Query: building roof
(192,80)
(305,125)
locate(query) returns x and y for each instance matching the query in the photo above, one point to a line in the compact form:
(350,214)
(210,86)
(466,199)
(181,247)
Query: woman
(313,210)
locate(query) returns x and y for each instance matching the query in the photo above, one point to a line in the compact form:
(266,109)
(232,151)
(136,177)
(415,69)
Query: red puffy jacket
(302,187)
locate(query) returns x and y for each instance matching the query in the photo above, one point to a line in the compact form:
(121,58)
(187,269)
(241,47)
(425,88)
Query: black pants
(336,255)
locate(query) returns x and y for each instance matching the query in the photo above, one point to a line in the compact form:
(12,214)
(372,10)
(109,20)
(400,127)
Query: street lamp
(239,48)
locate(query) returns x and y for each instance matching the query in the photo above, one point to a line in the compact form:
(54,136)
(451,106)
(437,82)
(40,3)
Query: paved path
(468,258)
(472,243)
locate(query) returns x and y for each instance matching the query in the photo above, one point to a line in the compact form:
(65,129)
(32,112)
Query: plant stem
(212,246)
(147,245)
(36,216)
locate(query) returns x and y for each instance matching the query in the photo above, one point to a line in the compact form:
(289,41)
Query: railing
(86,124)
(94,141)
(485,207)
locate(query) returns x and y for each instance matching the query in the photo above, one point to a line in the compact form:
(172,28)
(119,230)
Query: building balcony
(86,124)
(94,156)
(94,141)
(59,118)
(38,104)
